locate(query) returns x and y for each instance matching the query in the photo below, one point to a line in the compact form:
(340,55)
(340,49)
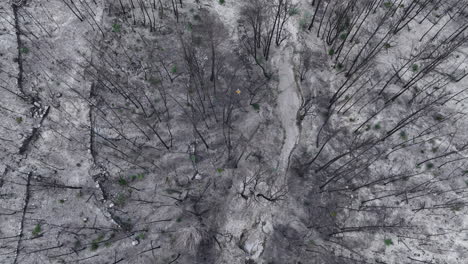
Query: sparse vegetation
(116,27)
(37,230)
(122,182)
(388,242)
(172,130)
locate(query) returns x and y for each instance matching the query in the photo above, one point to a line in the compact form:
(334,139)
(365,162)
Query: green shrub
(305,20)
(121,199)
(256,106)
(139,176)
(37,230)
(141,236)
(388,242)
(19,120)
(24,50)
(116,27)
(438,117)
(172,191)
(174,69)
(331,52)
(95,242)
(122,182)
(221,2)
(293,11)
(94,245)
(403,135)
(193,158)
(414,67)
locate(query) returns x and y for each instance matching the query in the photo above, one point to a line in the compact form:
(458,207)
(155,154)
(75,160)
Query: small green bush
(116,27)
(414,67)
(331,52)
(388,242)
(121,199)
(305,20)
(388,4)
(438,117)
(193,158)
(172,191)
(19,120)
(95,242)
(256,106)
(174,69)
(141,236)
(122,182)
(293,11)
(139,176)
(37,230)
(403,135)
(221,2)
(94,245)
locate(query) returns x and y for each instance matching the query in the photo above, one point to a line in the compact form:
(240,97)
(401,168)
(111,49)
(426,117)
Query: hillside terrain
(222,131)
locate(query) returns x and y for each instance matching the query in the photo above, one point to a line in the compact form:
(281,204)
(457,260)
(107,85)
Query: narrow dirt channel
(288,105)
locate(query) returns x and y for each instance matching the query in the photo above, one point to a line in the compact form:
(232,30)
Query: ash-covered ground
(223,131)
